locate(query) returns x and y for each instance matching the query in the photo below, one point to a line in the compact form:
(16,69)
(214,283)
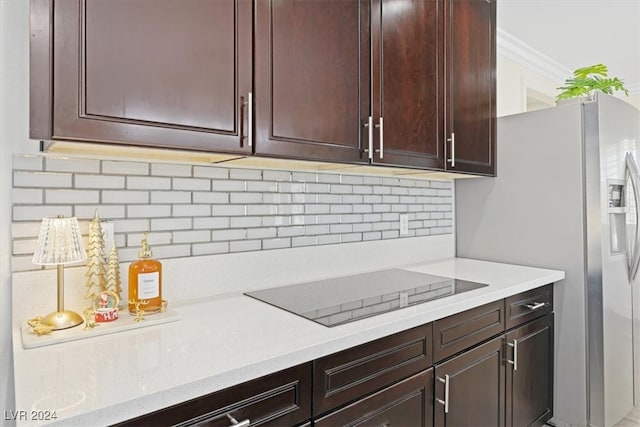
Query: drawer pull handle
(535,305)
(514,362)
(236,423)
(445,402)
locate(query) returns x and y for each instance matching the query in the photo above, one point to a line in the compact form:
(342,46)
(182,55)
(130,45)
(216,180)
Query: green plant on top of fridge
(586,80)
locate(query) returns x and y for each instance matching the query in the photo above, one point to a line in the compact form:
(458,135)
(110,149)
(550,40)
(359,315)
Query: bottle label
(148,285)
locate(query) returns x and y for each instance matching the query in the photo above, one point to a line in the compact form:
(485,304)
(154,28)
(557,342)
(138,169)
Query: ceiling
(578,33)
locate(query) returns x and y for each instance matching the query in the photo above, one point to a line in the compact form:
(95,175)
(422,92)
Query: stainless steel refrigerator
(566,198)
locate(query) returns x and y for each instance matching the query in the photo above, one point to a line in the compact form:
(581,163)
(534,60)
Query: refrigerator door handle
(633,177)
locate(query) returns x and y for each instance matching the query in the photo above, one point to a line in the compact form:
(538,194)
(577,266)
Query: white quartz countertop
(218,343)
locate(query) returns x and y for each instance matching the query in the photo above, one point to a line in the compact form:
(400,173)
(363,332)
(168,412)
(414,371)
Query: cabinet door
(279,399)
(312,78)
(407,84)
(169,73)
(470,57)
(530,373)
(406,403)
(475,382)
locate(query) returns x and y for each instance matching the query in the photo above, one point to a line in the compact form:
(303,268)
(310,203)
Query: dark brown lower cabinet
(485,374)
(406,403)
(469,389)
(530,373)
(280,399)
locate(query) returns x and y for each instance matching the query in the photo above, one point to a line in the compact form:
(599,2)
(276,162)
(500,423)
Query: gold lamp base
(63,319)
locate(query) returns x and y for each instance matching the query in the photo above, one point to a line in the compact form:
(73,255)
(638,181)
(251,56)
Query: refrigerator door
(632,185)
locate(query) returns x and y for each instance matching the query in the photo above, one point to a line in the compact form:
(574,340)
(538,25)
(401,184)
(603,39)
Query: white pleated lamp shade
(59,242)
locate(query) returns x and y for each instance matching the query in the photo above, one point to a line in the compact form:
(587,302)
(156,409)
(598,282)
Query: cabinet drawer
(529,305)
(407,403)
(463,330)
(282,398)
(348,375)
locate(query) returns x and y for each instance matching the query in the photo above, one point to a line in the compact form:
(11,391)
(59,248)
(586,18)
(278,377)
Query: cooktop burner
(346,299)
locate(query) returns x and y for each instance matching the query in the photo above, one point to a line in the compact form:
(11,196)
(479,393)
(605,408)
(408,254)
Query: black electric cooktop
(346,299)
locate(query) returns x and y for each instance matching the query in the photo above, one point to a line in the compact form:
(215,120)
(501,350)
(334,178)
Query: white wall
(14,115)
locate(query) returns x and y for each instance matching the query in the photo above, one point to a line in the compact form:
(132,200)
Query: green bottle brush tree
(588,79)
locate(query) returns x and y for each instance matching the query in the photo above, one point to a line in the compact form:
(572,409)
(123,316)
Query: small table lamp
(60,243)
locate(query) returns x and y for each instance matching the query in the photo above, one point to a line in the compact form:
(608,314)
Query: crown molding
(523,54)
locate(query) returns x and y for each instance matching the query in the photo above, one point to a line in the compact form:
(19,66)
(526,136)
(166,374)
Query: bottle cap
(145,252)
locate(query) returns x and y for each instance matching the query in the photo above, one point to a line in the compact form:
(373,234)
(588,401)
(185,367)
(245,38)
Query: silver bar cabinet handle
(514,362)
(236,423)
(381,130)
(535,305)
(452,140)
(445,402)
(250,119)
(369,125)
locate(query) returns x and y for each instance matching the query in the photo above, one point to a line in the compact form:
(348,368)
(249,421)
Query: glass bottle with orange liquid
(145,281)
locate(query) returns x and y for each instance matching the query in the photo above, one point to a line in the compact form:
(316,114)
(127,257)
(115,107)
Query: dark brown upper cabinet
(407,115)
(146,72)
(470,60)
(312,78)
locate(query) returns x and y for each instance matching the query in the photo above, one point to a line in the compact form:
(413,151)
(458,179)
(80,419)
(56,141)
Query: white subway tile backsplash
(210,248)
(148,183)
(127,197)
(201,210)
(191,210)
(391,234)
(125,168)
(133,225)
(194,184)
(211,222)
(245,221)
(341,209)
(170,169)
(36,213)
(218,185)
(27,196)
(42,179)
(164,224)
(269,221)
(276,243)
(329,178)
(352,237)
(170,197)
(195,236)
(63,164)
(245,198)
(262,186)
(290,231)
(341,189)
(341,228)
(212,198)
(210,172)
(227,210)
(99,181)
(316,229)
(28,162)
(304,241)
(290,209)
(262,233)
(24,246)
(303,176)
(268,175)
(148,211)
(71,196)
(245,174)
(329,239)
(86,212)
(232,234)
(262,209)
